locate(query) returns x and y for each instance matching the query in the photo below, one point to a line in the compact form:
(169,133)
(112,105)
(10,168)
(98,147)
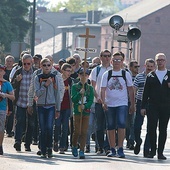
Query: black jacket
(155,92)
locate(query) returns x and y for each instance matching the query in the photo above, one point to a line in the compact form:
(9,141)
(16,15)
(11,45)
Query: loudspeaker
(133,33)
(116,22)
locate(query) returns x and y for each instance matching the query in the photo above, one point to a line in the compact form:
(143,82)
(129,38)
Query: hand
(132,109)
(19,77)
(82,91)
(3,95)
(30,110)
(9,113)
(99,100)
(48,82)
(104,105)
(57,114)
(143,112)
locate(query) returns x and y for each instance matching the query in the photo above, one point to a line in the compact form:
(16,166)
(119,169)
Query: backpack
(43,78)
(123,75)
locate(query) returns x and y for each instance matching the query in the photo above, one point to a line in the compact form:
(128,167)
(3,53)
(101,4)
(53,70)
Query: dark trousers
(158,113)
(138,127)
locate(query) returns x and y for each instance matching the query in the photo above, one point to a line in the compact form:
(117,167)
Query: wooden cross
(86,36)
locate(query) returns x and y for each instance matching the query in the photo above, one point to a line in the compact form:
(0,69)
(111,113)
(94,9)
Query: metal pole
(33,29)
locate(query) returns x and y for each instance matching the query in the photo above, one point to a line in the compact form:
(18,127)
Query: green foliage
(13,25)
(42,3)
(107,6)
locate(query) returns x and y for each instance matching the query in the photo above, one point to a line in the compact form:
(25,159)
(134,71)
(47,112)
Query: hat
(81,71)
(2,67)
(38,56)
(62,60)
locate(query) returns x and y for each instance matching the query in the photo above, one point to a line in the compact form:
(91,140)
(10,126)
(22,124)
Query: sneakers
(55,147)
(137,148)
(100,151)
(1,150)
(61,151)
(27,148)
(120,153)
(74,151)
(112,153)
(81,155)
(87,149)
(49,153)
(17,146)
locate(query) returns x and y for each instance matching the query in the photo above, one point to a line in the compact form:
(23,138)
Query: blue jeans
(138,126)
(116,117)
(20,123)
(46,121)
(92,129)
(61,128)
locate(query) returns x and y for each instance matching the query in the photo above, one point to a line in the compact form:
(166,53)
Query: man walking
(157,96)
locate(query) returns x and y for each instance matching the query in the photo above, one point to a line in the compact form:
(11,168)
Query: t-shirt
(97,78)
(116,88)
(6,87)
(65,104)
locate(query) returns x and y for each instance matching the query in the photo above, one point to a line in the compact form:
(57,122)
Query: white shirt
(116,88)
(160,74)
(98,78)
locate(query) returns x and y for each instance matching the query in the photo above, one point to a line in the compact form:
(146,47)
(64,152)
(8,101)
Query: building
(153,20)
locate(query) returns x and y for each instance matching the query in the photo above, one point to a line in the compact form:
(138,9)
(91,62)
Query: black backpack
(110,75)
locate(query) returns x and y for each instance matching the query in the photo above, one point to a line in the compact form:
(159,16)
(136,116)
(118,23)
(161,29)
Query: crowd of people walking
(60,105)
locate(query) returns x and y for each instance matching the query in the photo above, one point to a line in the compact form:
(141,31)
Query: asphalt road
(12,160)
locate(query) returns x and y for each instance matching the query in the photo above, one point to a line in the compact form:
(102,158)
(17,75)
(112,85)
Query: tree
(42,3)
(13,25)
(108,6)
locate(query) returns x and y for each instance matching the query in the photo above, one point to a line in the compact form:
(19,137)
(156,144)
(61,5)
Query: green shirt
(77,97)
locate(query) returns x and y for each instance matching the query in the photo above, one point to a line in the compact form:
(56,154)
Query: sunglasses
(27,64)
(160,60)
(106,55)
(117,60)
(46,65)
(68,71)
(136,66)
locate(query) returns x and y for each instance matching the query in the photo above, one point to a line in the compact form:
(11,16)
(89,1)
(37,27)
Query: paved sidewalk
(12,160)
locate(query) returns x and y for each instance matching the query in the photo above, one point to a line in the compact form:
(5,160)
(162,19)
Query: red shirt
(65,104)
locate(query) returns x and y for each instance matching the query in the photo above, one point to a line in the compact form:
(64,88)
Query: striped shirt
(24,87)
(139,83)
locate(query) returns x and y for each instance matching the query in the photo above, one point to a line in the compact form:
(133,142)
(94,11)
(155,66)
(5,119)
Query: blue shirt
(6,87)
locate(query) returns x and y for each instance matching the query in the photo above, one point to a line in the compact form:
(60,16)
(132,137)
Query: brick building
(153,20)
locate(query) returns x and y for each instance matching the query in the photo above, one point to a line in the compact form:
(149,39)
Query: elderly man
(156,96)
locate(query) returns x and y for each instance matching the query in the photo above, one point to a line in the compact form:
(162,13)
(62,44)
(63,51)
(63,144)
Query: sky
(54,2)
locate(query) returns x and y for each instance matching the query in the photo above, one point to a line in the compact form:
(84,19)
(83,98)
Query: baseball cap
(81,71)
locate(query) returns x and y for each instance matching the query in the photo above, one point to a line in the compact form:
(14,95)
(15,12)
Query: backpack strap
(123,75)
(98,70)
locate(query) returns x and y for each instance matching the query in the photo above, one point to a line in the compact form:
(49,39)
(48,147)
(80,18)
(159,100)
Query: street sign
(88,50)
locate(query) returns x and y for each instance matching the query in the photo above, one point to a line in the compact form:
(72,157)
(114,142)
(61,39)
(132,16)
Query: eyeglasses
(160,60)
(106,55)
(27,64)
(136,66)
(117,60)
(68,71)
(45,65)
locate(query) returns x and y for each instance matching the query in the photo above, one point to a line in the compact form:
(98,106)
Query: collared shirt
(24,87)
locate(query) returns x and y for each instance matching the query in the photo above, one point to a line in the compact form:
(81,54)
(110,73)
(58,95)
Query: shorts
(2,120)
(116,117)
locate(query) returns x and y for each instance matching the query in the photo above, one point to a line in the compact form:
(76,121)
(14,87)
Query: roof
(46,47)
(139,10)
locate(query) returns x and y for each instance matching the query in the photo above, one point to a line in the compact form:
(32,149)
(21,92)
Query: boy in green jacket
(82,98)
